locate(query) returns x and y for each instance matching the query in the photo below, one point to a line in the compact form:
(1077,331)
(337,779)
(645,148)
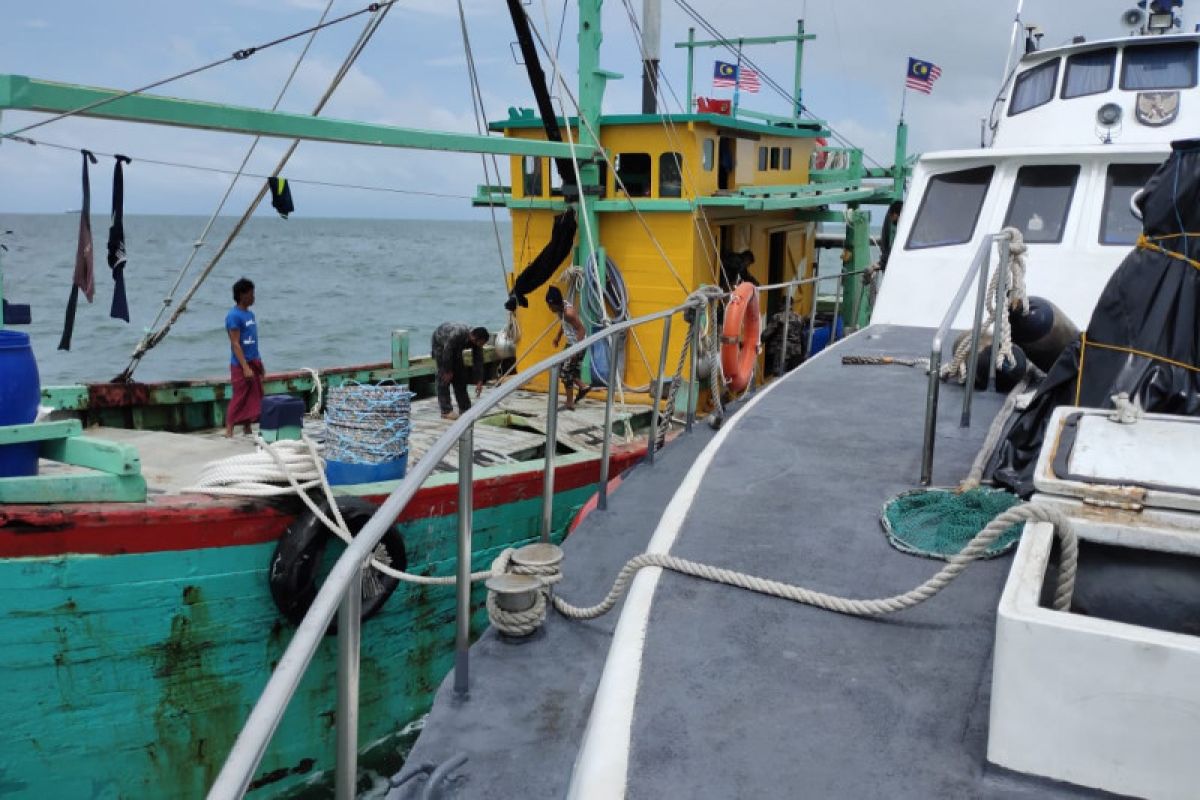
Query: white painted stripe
(602,765)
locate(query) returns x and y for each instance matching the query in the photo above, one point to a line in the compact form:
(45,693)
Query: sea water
(329,291)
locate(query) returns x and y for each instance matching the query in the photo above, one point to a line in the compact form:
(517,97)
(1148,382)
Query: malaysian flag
(921,75)
(726,75)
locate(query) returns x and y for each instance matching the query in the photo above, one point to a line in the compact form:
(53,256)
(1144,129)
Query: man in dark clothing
(449,341)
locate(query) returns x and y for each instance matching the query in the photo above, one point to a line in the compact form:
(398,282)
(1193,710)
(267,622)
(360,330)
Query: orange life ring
(739,337)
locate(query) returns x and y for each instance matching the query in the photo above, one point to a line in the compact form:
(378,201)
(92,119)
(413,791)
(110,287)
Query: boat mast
(1012,44)
(651,52)
(592,81)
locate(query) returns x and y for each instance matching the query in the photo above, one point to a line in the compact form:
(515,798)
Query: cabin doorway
(726,163)
(776,265)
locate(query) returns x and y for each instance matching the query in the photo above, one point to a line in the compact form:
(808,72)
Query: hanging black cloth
(281,196)
(562,236)
(1144,335)
(116,242)
(85,277)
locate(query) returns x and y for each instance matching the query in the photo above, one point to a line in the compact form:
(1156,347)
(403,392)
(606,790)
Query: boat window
(710,149)
(1118,225)
(1034,87)
(774,158)
(1040,201)
(1159,66)
(531,171)
(762,159)
(950,208)
(787,158)
(633,170)
(1089,73)
(670,182)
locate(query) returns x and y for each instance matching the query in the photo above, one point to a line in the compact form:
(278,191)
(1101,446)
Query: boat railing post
(349,630)
(976,333)
(462,586)
(812,312)
(931,406)
(606,445)
(551,447)
(837,306)
(656,388)
(1001,309)
(694,368)
(790,297)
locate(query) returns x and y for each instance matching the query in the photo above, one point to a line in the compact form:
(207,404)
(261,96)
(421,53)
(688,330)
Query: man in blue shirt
(245,365)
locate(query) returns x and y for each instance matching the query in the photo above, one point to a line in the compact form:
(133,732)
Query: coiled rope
(523,623)
(1018,297)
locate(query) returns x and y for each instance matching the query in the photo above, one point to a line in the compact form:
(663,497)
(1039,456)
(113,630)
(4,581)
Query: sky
(414,74)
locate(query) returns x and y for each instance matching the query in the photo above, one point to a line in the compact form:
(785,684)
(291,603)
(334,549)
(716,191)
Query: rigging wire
(237,55)
(764,76)
(152,338)
(200,242)
(260,175)
(480,114)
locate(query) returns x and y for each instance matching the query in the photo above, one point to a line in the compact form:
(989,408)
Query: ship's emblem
(1157,108)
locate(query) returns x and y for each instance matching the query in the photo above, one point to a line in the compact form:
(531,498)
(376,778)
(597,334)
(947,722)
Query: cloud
(36,24)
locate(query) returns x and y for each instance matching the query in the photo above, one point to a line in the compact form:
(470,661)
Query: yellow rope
(1085,343)
(1147,243)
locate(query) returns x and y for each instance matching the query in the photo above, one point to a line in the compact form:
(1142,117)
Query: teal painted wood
(130,676)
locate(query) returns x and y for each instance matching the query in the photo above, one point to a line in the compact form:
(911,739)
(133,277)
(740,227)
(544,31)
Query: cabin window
(531,172)
(1118,225)
(670,181)
(1040,201)
(633,171)
(775,156)
(710,154)
(787,158)
(950,208)
(1034,87)
(762,159)
(1159,66)
(1089,73)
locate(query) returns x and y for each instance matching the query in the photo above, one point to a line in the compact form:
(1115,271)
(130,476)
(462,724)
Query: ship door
(776,264)
(726,163)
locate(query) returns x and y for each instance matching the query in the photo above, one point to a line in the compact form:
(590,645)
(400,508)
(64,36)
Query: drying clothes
(85,277)
(281,196)
(116,242)
(562,237)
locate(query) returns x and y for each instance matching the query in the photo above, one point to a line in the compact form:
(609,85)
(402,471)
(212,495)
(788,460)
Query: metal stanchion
(657,386)
(462,635)
(551,447)
(349,638)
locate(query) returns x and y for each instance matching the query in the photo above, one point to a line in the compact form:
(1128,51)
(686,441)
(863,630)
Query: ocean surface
(329,291)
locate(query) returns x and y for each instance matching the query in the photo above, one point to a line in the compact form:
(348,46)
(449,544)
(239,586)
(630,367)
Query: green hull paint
(130,675)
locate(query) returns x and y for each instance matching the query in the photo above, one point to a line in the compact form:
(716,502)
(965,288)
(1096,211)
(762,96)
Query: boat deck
(171,462)
(735,694)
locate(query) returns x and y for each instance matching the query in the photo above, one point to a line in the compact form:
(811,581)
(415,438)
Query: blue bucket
(20,391)
(821,334)
(343,473)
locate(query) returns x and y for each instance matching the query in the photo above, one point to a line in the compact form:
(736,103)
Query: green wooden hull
(131,675)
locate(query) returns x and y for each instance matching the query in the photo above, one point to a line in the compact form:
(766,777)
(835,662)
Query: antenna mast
(651,51)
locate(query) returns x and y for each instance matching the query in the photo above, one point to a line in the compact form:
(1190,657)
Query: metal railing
(980,266)
(341,592)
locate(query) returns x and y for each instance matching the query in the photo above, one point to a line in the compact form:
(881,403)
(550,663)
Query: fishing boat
(144,609)
(744,656)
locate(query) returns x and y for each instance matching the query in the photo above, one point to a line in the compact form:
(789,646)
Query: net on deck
(938,523)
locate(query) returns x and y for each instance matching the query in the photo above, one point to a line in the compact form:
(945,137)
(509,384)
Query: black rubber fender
(1043,333)
(300,551)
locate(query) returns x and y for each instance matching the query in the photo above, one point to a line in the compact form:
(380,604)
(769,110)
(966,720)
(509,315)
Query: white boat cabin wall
(1082,129)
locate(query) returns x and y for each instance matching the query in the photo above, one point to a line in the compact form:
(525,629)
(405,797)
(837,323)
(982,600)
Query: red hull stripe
(194,522)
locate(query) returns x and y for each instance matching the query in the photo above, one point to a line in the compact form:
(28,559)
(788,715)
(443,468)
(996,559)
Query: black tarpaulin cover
(562,237)
(1144,335)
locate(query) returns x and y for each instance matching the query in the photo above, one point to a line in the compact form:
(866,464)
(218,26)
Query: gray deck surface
(747,696)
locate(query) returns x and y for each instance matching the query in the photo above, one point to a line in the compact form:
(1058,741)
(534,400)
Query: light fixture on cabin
(1161,14)
(1108,122)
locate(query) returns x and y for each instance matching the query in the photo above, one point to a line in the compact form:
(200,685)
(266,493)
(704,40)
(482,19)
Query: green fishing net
(938,523)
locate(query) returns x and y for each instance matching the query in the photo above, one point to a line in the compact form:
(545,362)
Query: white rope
(1018,297)
(315,411)
(1029,512)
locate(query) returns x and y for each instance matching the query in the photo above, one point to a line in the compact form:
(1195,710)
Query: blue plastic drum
(20,391)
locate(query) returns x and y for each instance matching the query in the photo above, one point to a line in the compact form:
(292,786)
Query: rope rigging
(237,55)
(153,337)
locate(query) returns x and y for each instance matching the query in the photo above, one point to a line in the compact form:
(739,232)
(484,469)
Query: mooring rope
(525,622)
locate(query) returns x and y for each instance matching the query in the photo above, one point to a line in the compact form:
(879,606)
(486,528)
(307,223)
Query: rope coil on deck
(522,623)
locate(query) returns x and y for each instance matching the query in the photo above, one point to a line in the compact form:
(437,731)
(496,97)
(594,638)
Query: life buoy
(299,559)
(820,156)
(739,337)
